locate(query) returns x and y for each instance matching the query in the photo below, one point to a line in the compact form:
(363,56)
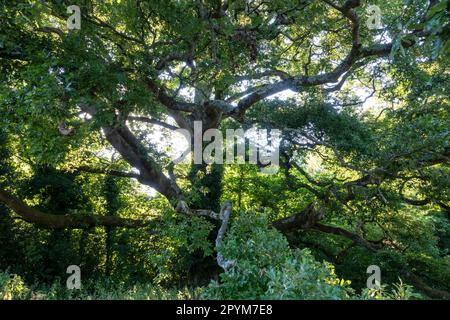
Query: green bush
(400,291)
(266,268)
(109,290)
(12,287)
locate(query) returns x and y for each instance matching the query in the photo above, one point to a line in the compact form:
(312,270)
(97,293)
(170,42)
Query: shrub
(266,268)
(12,287)
(400,291)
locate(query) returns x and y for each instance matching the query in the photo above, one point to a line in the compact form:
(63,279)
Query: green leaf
(437,8)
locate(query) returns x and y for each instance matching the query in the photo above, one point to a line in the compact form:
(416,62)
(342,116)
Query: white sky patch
(284,95)
(188,93)
(84,116)
(362,94)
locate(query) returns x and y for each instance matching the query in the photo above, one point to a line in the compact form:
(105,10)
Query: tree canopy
(91,119)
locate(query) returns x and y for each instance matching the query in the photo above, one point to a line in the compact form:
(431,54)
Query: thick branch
(421,285)
(345,233)
(309,219)
(225,213)
(303,220)
(299,82)
(56,31)
(182,207)
(123,140)
(110,172)
(53,221)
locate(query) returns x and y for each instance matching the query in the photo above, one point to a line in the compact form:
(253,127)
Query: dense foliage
(266,268)
(90,127)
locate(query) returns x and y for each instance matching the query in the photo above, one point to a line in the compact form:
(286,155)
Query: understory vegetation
(354,118)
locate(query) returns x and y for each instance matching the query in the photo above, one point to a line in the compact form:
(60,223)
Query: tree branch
(152,121)
(225,212)
(110,172)
(57,221)
(123,140)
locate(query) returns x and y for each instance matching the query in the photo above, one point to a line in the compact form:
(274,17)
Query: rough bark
(225,214)
(61,221)
(421,285)
(123,140)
